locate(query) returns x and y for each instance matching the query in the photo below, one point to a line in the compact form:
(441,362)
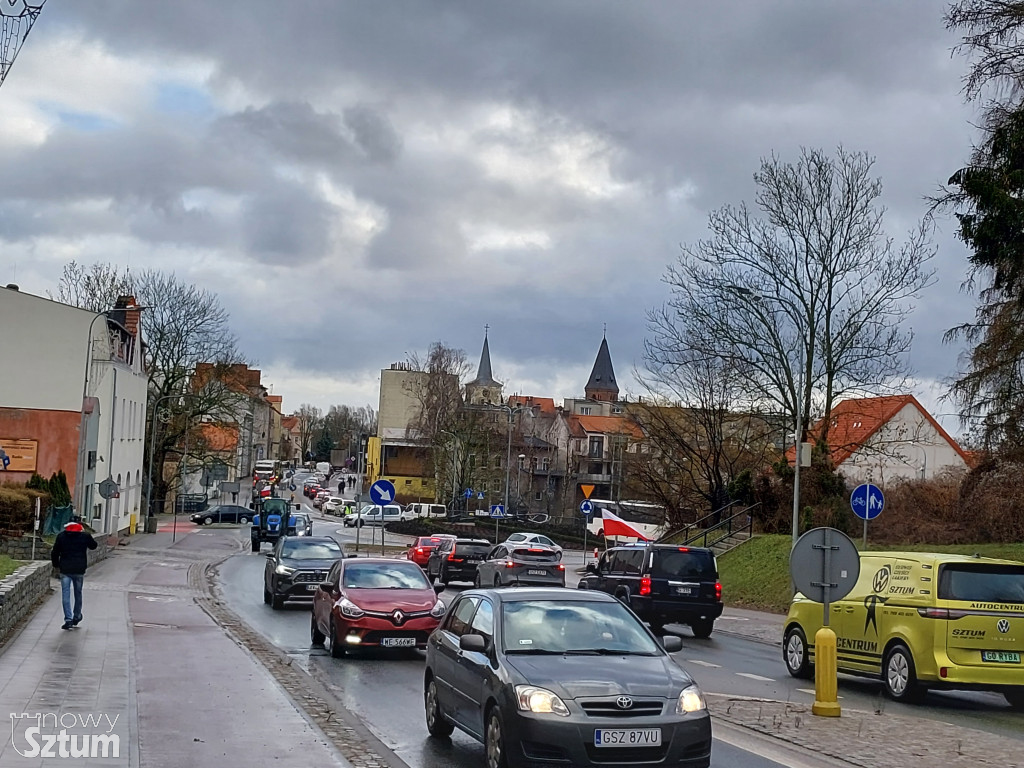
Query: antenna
(16,20)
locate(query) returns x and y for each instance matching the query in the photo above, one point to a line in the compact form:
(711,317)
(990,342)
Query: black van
(662,583)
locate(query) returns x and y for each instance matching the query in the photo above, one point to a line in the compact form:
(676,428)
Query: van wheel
(1015,697)
(795,654)
(702,628)
(899,676)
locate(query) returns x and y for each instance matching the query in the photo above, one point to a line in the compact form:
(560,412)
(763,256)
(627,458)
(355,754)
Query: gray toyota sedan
(561,677)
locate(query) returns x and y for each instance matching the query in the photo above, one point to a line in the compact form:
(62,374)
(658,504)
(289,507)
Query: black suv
(662,583)
(457,559)
(296,567)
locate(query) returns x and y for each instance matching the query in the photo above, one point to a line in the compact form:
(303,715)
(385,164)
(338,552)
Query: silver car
(514,565)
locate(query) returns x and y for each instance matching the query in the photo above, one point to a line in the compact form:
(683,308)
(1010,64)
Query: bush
(17,510)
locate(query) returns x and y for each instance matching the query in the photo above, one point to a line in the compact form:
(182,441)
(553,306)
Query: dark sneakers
(68,625)
(76,622)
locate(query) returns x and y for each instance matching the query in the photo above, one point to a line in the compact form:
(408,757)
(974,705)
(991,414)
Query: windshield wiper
(604,652)
(536,651)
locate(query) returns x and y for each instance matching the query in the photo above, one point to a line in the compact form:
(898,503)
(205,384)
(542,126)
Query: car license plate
(398,642)
(537,572)
(1006,657)
(312,587)
(684,590)
(627,737)
(472,560)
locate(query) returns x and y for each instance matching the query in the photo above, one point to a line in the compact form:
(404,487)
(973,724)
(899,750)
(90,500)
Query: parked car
(321,496)
(509,565)
(662,583)
(374,602)
(427,510)
(533,538)
(506,667)
(371,515)
(296,566)
(303,524)
(224,513)
(335,505)
(419,551)
(457,559)
(190,502)
(919,620)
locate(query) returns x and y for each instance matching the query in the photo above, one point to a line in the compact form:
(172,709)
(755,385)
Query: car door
(473,670)
(447,653)
(323,600)
(494,560)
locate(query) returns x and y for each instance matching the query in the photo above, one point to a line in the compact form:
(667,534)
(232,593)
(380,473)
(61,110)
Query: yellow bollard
(826,682)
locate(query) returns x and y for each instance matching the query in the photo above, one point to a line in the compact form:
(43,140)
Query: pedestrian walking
(69,558)
(341,485)
(351,481)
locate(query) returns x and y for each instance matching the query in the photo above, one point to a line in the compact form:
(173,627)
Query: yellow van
(922,620)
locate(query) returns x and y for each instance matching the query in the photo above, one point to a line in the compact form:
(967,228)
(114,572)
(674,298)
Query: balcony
(584,477)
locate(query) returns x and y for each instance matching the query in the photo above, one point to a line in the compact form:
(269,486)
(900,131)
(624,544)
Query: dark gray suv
(662,583)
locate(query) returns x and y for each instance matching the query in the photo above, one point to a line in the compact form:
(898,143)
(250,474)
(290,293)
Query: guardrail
(689,528)
(737,523)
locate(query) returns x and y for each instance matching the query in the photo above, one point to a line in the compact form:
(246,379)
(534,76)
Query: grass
(756,574)
(8,566)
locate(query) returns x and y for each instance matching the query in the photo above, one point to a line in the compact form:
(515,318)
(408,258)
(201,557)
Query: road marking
(733,618)
(812,692)
(156,599)
(703,663)
(756,677)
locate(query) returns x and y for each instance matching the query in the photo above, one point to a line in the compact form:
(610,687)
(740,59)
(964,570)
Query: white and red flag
(615,526)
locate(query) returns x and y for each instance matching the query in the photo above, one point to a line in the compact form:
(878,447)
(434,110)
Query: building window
(585,410)
(596,447)
(545,464)
(616,409)
(496,486)
(497,462)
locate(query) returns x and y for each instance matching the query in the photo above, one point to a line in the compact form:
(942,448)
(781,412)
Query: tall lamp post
(755,298)
(519,478)
(511,411)
(83,445)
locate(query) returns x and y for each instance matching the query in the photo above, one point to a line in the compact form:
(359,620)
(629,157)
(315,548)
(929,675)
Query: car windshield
(574,627)
(311,550)
(982,583)
(683,563)
(384,576)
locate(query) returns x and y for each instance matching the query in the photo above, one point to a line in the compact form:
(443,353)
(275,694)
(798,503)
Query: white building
(73,398)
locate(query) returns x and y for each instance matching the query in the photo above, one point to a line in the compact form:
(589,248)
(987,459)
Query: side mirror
(326,586)
(591,568)
(439,588)
(475,643)
(671,643)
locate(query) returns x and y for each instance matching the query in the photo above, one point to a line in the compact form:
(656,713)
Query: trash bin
(151,524)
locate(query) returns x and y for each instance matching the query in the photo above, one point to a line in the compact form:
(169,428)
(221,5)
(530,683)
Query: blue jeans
(66,583)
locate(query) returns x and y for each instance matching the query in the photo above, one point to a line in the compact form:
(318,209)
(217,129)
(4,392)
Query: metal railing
(742,521)
(696,525)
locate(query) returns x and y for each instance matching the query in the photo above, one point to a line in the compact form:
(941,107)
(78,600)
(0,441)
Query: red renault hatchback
(375,603)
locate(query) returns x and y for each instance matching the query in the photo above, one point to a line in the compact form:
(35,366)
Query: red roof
(219,437)
(855,421)
(545,405)
(606,425)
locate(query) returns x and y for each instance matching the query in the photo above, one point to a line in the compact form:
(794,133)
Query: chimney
(131,314)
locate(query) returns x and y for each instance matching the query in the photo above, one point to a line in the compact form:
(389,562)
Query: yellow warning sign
(587,490)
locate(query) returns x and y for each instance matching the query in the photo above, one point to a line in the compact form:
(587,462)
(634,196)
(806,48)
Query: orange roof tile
(219,437)
(545,405)
(855,421)
(609,425)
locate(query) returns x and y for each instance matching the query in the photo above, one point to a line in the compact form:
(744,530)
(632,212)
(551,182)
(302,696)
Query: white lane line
(703,663)
(812,692)
(756,677)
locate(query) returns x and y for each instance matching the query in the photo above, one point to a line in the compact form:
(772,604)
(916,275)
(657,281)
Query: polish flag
(616,526)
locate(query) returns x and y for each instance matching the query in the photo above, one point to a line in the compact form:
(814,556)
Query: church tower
(484,389)
(601,386)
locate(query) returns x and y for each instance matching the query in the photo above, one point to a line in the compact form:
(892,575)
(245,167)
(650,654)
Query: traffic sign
(586,507)
(479,494)
(382,492)
(4,459)
(824,565)
(497,510)
(108,489)
(468,493)
(867,501)
(587,490)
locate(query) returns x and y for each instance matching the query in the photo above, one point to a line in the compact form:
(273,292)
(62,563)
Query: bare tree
(310,419)
(438,393)
(809,290)
(96,287)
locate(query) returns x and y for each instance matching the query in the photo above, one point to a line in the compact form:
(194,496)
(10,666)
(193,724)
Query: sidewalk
(168,686)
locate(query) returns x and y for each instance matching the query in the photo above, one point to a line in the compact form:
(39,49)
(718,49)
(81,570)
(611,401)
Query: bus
(647,518)
(266,469)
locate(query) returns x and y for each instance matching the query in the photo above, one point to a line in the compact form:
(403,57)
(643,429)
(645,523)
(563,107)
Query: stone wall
(21,548)
(21,592)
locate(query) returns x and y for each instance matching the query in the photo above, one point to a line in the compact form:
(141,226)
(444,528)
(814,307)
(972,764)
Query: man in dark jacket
(69,557)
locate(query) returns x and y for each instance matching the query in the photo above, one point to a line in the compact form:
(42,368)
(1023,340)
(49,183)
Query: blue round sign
(586,507)
(867,501)
(382,492)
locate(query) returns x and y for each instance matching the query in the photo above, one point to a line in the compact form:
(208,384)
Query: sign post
(382,492)
(358,518)
(587,509)
(867,503)
(497,512)
(825,565)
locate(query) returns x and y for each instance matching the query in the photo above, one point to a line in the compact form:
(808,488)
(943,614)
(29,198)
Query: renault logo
(1003,626)
(624,702)
(398,617)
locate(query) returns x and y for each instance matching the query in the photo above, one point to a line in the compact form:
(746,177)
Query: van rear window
(983,583)
(535,554)
(677,564)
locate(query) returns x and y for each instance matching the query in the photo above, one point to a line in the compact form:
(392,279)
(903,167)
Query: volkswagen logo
(624,702)
(1003,626)
(398,617)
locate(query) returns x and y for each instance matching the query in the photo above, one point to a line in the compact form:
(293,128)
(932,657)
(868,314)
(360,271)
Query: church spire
(484,388)
(601,385)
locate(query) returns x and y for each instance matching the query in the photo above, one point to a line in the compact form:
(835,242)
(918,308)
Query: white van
(427,510)
(372,515)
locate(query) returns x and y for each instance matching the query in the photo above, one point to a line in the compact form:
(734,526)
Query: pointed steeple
(484,388)
(601,385)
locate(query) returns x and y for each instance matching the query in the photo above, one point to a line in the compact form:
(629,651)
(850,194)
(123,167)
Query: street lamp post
(152,447)
(511,411)
(519,478)
(83,445)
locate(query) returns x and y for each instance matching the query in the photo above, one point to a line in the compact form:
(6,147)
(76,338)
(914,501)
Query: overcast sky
(359,179)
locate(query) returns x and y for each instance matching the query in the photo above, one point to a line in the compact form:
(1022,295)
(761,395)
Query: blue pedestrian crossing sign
(479,494)
(382,492)
(867,501)
(586,507)
(497,510)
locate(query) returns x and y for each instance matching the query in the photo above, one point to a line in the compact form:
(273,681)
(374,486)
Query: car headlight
(350,609)
(284,570)
(690,700)
(540,701)
(438,610)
